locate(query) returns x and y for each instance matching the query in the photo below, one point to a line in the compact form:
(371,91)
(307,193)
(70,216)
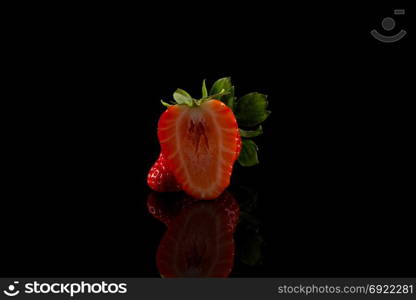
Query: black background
(333,179)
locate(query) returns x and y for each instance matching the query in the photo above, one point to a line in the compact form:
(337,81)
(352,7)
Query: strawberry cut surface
(200,145)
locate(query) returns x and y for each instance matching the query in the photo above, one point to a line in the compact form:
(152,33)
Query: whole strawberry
(160,178)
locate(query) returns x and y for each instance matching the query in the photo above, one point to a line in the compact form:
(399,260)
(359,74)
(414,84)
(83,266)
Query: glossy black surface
(333,185)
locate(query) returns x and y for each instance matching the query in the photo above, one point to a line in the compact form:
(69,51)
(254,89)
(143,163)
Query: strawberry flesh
(201,145)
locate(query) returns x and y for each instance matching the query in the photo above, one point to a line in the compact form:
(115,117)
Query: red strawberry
(199,240)
(160,178)
(239,142)
(199,139)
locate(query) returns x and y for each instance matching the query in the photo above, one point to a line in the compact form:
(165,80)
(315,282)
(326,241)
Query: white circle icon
(11,292)
(388,25)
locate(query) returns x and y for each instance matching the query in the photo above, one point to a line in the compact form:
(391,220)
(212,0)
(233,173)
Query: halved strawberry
(200,141)
(160,178)
(199,240)
(239,144)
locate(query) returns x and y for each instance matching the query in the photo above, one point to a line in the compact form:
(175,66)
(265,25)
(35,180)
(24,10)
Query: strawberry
(199,138)
(239,144)
(160,178)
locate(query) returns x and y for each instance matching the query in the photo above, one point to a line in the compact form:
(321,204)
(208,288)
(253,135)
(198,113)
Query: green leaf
(204,90)
(219,95)
(224,85)
(229,99)
(248,156)
(182,97)
(251,109)
(251,133)
(165,103)
(221,84)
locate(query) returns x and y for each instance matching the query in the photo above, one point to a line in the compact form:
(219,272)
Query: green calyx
(250,111)
(182,97)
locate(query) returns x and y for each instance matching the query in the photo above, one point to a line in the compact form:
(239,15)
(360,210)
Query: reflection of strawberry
(165,207)
(160,178)
(161,209)
(227,203)
(199,240)
(200,141)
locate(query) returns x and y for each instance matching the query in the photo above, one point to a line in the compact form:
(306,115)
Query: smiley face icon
(12,291)
(389,24)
